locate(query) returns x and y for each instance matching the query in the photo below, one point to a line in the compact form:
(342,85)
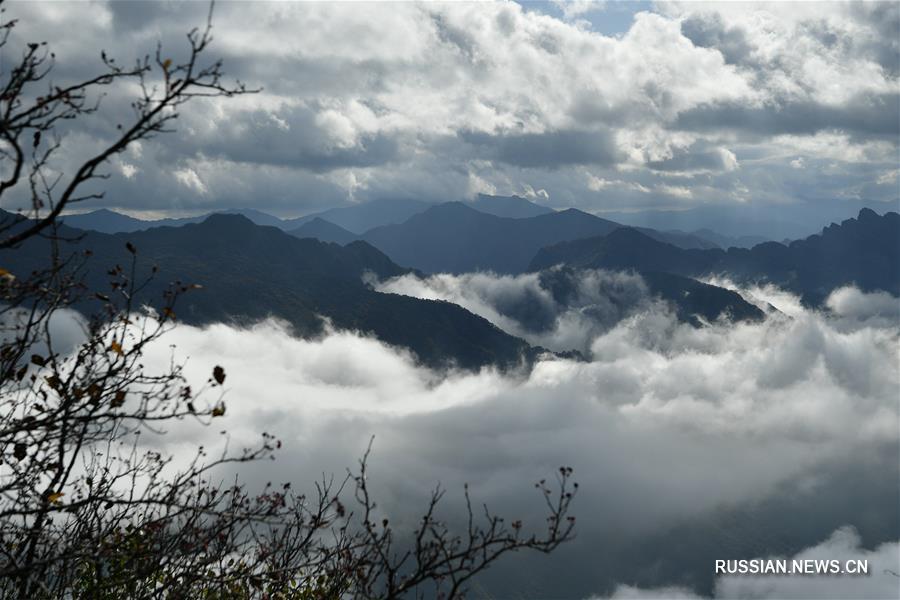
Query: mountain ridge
(862,251)
(456,238)
(251,272)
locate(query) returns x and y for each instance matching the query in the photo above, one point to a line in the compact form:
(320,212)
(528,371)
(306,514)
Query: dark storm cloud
(864,117)
(430,101)
(884,19)
(711,32)
(549,150)
(135,16)
(291,137)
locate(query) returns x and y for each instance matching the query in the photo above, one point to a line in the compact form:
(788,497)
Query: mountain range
(758,221)
(345,224)
(724,241)
(513,207)
(355,219)
(455,238)
(863,251)
(250,272)
(362,217)
(324,231)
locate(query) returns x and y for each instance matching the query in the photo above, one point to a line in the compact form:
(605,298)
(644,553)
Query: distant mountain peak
(867,214)
(359,218)
(572,211)
(630,233)
(514,207)
(454,207)
(325,231)
(230,220)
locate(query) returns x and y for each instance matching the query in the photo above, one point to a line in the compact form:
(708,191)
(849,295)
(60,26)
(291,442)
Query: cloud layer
(678,435)
(688,104)
(558,309)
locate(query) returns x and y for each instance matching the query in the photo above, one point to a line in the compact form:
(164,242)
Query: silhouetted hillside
(324,231)
(456,238)
(250,273)
(365,216)
(106,221)
(864,251)
(693,302)
(110,221)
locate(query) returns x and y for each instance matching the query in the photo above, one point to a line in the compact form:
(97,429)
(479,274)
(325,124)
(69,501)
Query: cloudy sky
(593,105)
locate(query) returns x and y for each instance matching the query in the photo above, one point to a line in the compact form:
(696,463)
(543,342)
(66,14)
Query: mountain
(513,207)
(864,251)
(332,225)
(105,221)
(792,221)
(362,217)
(455,238)
(324,231)
(727,241)
(678,238)
(732,221)
(624,249)
(257,217)
(386,211)
(110,221)
(693,302)
(249,272)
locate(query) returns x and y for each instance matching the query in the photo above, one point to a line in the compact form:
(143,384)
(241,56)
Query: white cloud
(595,184)
(189,178)
(525,305)
(888,177)
(128,170)
(675,190)
(666,423)
(530,192)
(844,544)
(850,303)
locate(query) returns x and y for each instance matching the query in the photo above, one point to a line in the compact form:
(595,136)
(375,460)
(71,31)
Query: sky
(600,106)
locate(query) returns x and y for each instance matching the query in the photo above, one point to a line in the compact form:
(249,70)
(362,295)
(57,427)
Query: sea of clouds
(734,440)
